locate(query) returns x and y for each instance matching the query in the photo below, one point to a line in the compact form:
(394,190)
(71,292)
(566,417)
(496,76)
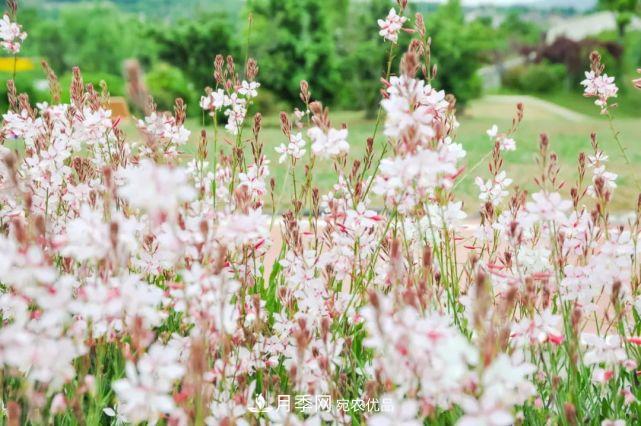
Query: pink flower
(609,422)
(505,143)
(540,329)
(493,190)
(249,89)
(608,350)
(548,207)
(294,149)
(390,27)
(601,376)
(331,143)
(601,87)
(11,35)
(58,404)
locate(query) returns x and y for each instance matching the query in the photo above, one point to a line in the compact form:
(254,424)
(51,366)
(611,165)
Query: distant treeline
(334,44)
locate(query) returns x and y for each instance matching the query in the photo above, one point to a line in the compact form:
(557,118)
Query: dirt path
(531,102)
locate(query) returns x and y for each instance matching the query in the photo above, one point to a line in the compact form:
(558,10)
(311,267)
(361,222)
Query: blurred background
(480,46)
(490,55)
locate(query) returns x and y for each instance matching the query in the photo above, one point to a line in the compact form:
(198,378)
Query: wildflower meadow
(144,284)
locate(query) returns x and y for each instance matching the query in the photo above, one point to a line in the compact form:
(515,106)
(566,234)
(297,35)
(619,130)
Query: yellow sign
(21,64)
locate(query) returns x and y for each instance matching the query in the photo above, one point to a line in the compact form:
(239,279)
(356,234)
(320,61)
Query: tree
(363,54)
(517,31)
(293,41)
(98,37)
(624,10)
(457,48)
(191,45)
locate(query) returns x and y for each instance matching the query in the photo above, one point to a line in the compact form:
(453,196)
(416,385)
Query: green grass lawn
(628,102)
(568,139)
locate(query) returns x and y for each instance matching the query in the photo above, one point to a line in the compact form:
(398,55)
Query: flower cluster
(144,284)
(232,95)
(11,35)
(599,85)
(391,25)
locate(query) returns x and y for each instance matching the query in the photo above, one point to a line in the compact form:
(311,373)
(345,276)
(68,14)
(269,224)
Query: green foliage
(293,41)
(166,83)
(35,85)
(191,45)
(154,9)
(115,83)
(516,31)
(457,48)
(333,44)
(267,102)
(625,10)
(32,83)
(630,44)
(364,57)
(96,37)
(538,78)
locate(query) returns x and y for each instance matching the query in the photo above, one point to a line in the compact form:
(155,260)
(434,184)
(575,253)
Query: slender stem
(474,167)
(615,133)
(15,66)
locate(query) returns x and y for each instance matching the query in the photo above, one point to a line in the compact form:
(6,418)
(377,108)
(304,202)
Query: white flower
(543,327)
(332,143)
(507,144)
(484,413)
(213,101)
(609,422)
(412,108)
(87,236)
(164,127)
(11,35)
(249,89)
(390,27)
(235,115)
(494,190)
(601,87)
(608,179)
(506,379)
(608,350)
(145,392)
(597,159)
(294,149)
(238,230)
(548,207)
(118,417)
(155,189)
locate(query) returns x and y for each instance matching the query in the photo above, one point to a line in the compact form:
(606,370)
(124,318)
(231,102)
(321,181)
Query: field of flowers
(137,287)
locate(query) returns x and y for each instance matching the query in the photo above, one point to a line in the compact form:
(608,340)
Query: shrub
(190,45)
(574,55)
(166,83)
(457,47)
(538,78)
(295,39)
(115,83)
(267,103)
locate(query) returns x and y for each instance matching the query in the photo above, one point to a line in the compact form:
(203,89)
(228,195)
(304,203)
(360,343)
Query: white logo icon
(260,405)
